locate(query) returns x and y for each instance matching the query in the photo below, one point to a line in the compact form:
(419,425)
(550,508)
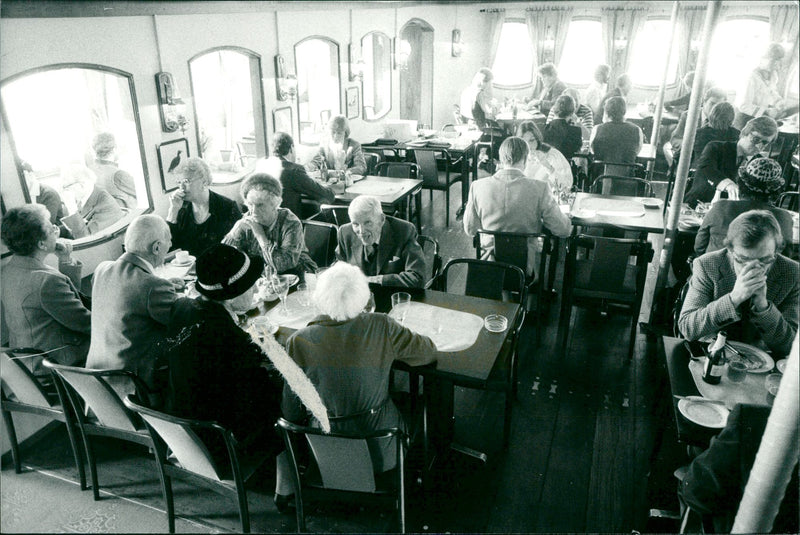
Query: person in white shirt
(760,95)
(597,90)
(476,100)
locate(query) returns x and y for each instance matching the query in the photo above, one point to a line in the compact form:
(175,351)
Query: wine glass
(280,285)
(400,304)
(370,306)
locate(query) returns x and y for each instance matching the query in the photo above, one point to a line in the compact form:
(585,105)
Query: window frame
(676,81)
(336,47)
(729,18)
(526,85)
(583,18)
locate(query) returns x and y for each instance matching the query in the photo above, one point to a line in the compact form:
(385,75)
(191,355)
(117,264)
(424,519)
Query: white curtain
(620,25)
(496,20)
(690,27)
(783,25)
(545,24)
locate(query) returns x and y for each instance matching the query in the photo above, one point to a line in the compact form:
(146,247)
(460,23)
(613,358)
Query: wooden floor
(590,447)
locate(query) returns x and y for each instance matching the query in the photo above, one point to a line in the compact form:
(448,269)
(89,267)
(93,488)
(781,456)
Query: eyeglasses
(759,141)
(187,181)
(764,260)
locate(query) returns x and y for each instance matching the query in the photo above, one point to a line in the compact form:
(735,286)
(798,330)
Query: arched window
(736,48)
(583,51)
(513,62)
(649,52)
(318,86)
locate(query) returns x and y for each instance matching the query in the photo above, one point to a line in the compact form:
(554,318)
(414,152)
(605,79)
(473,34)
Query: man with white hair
(384,247)
(131,305)
(96,206)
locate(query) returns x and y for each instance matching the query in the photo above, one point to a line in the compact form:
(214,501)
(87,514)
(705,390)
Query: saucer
(189,262)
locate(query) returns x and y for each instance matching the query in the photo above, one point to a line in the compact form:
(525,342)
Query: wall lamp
(457,45)
(171,107)
(285,82)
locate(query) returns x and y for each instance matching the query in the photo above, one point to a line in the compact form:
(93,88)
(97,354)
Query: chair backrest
(599,167)
(449,127)
(372,159)
(91,387)
(622,185)
(512,247)
(335,213)
(17,379)
(486,279)
(481,147)
(677,307)
(789,200)
(431,249)
(429,164)
(321,241)
(180,437)
(608,260)
(398,169)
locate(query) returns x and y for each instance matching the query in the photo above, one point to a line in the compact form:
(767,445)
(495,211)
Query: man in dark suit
(384,247)
(548,88)
(748,288)
(131,305)
(719,163)
(294,178)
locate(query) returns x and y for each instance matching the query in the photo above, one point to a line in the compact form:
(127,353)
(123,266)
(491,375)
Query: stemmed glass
(280,285)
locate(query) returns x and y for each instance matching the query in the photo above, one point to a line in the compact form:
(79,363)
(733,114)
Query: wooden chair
(433,179)
(486,148)
(180,452)
(604,277)
(334,213)
(372,159)
(98,408)
(600,167)
(494,280)
(622,185)
(431,249)
(398,169)
(789,200)
(321,241)
(22,392)
(340,468)
(512,248)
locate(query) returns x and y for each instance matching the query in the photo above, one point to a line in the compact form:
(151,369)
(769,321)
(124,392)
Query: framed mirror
(318,86)
(377,81)
(75,135)
(228,105)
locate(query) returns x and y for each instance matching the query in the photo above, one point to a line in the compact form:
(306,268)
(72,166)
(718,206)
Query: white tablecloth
(450,330)
(751,390)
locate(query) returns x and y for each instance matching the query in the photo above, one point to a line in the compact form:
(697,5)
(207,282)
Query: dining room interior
(571,390)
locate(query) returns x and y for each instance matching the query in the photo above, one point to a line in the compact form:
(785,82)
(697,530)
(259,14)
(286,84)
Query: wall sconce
(355,66)
(457,46)
(401,52)
(171,107)
(285,82)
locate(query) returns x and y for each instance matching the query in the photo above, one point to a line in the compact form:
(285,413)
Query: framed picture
(352,102)
(170,155)
(282,120)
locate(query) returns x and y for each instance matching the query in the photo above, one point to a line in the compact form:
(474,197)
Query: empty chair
(321,241)
(433,179)
(604,277)
(494,280)
(621,185)
(398,169)
(789,201)
(372,159)
(384,152)
(182,450)
(600,167)
(22,392)
(340,468)
(324,117)
(431,249)
(98,408)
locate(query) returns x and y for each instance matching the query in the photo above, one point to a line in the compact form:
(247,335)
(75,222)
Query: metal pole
(712,13)
(654,135)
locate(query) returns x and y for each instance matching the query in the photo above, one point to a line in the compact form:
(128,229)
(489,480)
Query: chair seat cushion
(584,288)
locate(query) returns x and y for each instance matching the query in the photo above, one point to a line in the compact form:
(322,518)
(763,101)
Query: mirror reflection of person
(761,95)
(198,217)
(43,194)
(340,152)
(95,205)
(110,177)
(42,307)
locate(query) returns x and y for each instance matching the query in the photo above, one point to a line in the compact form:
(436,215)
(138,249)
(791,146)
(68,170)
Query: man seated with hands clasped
(340,152)
(748,288)
(384,247)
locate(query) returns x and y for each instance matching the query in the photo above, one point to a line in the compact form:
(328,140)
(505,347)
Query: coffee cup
(182,257)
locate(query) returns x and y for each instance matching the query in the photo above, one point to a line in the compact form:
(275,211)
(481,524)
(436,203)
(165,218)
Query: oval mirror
(318,86)
(377,82)
(77,142)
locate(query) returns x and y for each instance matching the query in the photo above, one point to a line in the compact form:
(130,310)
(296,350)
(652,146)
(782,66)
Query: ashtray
(495,323)
(651,202)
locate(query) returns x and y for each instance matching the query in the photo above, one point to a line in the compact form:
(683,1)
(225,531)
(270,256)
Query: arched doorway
(416,77)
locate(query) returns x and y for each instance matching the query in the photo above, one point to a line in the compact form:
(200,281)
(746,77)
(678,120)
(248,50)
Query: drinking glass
(737,371)
(400,303)
(280,285)
(771,384)
(303,294)
(370,306)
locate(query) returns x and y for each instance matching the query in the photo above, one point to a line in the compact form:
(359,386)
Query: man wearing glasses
(719,163)
(748,288)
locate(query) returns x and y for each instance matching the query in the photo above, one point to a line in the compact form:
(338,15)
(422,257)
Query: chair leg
(447,208)
(74,438)
(632,343)
(12,439)
(244,513)
(92,467)
(563,327)
(298,507)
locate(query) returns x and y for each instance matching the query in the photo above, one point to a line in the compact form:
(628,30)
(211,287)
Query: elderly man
(719,163)
(340,153)
(199,218)
(384,247)
(131,305)
(294,178)
(511,202)
(747,289)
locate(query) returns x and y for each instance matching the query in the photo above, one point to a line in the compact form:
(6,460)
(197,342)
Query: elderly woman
(616,140)
(267,230)
(340,153)
(95,208)
(216,371)
(348,355)
(110,177)
(760,183)
(42,307)
(511,202)
(544,162)
(564,132)
(199,218)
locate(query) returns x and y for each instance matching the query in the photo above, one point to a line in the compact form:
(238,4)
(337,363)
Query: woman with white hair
(348,354)
(96,207)
(340,153)
(110,177)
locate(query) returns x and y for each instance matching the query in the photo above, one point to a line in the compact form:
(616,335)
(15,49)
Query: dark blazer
(100,210)
(712,232)
(549,98)
(223,213)
(399,259)
(717,162)
(297,184)
(707,134)
(564,137)
(708,308)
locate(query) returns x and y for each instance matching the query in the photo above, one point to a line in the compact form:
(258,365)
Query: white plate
(767,364)
(702,413)
(651,202)
(175,262)
(583,214)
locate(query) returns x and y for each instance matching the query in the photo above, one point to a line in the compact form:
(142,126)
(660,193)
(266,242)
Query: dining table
(509,120)
(616,212)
